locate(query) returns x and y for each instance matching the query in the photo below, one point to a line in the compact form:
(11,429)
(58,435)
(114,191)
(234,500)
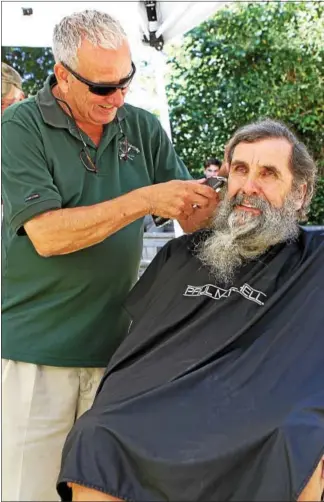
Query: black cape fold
(236,425)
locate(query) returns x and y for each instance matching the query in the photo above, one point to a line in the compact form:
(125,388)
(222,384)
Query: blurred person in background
(212,167)
(11,87)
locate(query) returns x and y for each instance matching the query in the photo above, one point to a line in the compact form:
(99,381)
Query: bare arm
(64,231)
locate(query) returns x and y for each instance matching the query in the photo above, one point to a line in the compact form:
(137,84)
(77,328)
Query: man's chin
(241,218)
(103,116)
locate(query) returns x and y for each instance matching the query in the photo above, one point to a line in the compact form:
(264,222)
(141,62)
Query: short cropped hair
(99,28)
(212,161)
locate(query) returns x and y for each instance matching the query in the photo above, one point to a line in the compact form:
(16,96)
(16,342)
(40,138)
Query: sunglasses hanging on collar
(126,151)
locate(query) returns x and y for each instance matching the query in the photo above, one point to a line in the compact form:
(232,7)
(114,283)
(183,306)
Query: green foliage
(316,216)
(33,63)
(250,61)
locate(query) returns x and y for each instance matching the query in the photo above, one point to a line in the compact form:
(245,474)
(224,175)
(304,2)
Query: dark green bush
(250,61)
(316,215)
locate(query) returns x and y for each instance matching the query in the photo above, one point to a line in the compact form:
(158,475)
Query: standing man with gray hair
(11,87)
(86,169)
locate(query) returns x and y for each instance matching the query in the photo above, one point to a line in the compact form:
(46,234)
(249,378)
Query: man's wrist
(144,200)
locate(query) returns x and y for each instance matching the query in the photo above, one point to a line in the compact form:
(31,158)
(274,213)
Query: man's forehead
(270,151)
(108,63)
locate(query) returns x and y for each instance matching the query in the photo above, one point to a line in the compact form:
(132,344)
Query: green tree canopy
(249,61)
(33,63)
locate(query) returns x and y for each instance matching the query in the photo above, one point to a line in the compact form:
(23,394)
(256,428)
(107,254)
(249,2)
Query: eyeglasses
(103,89)
(85,156)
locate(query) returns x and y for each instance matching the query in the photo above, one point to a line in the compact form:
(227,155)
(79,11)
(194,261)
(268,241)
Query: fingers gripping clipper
(217,183)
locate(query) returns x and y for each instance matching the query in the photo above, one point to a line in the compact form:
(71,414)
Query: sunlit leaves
(250,60)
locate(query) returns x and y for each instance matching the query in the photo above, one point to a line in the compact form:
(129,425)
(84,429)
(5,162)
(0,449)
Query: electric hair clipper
(216,183)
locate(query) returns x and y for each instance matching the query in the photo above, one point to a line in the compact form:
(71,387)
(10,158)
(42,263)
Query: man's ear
(61,75)
(300,196)
(224,169)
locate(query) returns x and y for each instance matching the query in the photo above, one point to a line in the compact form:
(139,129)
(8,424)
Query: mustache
(252,200)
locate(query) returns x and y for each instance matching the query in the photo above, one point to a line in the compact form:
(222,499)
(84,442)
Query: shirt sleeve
(168,165)
(28,188)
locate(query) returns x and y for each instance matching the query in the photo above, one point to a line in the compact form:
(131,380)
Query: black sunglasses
(103,89)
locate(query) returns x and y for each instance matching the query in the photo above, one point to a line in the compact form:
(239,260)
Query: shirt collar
(51,111)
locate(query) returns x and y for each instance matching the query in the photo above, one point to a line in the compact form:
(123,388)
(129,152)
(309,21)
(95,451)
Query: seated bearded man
(217,393)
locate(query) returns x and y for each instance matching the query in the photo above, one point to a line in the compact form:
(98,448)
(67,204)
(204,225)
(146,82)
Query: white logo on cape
(216,293)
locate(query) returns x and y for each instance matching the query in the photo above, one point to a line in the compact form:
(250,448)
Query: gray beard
(239,237)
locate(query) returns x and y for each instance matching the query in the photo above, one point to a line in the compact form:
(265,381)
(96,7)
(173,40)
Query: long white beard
(239,236)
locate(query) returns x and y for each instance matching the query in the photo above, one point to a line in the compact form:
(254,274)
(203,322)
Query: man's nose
(116,99)
(250,187)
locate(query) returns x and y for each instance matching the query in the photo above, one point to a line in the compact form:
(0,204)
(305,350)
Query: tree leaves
(247,62)
(33,63)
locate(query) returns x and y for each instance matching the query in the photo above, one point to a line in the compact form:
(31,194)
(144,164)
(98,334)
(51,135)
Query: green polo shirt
(68,310)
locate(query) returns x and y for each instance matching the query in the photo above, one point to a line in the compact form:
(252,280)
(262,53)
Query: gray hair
(97,27)
(301,163)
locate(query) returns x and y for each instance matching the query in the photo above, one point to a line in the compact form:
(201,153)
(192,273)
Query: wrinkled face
(211,171)
(261,170)
(98,65)
(258,211)
(13,96)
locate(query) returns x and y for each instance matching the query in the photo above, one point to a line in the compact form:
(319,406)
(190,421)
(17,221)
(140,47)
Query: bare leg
(84,494)
(315,486)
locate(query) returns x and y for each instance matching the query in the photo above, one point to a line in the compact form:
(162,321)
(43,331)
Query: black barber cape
(217,393)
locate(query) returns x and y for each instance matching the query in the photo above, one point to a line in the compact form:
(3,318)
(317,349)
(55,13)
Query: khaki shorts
(39,406)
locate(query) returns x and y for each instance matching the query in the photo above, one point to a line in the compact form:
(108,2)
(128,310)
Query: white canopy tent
(31,23)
